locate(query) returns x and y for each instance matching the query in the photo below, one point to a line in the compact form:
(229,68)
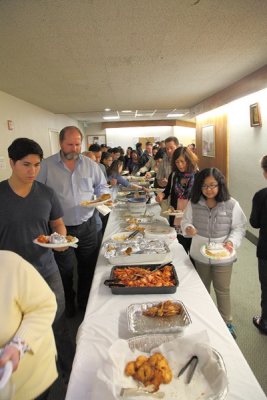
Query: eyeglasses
(211,187)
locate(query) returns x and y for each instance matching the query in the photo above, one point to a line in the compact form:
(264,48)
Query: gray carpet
(245,291)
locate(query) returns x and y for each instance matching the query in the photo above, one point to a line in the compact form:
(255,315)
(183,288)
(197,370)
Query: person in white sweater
(215,219)
(27,310)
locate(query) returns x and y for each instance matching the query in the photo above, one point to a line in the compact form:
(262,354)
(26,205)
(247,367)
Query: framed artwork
(208,141)
(255,115)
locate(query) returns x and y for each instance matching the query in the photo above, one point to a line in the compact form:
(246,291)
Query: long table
(105,321)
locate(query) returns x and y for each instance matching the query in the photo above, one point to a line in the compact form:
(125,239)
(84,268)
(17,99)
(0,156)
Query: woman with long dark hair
(179,186)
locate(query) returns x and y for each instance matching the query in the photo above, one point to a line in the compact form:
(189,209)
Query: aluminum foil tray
(140,324)
(137,251)
(147,343)
(144,289)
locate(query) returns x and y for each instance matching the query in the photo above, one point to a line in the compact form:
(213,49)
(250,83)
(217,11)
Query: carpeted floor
(245,291)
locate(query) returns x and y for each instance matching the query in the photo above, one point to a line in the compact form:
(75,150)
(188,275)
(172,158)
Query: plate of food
(96,202)
(158,317)
(174,213)
(216,251)
(56,241)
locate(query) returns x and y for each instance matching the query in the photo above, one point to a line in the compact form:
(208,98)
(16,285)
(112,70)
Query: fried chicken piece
(140,360)
(42,239)
(151,372)
(130,368)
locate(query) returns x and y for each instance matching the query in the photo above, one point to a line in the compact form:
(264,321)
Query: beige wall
(29,121)
(246,145)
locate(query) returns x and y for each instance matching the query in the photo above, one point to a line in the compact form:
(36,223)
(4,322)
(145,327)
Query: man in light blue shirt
(75,178)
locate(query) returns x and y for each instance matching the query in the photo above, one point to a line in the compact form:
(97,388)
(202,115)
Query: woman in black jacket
(179,186)
(258,219)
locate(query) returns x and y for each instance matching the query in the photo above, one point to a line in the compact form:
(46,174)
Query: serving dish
(137,251)
(143,289)
(208,383)
(138,323)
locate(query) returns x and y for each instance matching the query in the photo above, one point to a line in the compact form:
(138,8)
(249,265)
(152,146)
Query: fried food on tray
(154,370)
(164,309)
(43,239)
(145,277)
(128,251)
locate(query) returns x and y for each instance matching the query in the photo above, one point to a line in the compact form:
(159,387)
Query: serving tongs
(132,235)
(113,283)
(140,391)
(191,366)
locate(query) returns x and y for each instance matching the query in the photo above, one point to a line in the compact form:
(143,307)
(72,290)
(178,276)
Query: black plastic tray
(144,290)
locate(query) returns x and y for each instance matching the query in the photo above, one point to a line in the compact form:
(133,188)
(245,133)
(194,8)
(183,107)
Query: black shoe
(70,309)
(259,323)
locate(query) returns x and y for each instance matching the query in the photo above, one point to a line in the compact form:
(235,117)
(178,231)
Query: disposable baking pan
(144,289)
(139,323)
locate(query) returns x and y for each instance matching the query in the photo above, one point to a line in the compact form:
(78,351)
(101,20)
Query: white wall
(29,121)
(125,137)
(246,146)
(94,130)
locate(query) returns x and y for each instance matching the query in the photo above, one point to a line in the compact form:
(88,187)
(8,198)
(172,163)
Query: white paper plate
(57,245)
(177,214)
(5,374)
(203,252)
(92,203)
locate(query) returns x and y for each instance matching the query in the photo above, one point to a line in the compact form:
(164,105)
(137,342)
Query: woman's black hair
(105,155)
(114,168)
(190,158)
(223,193)
(22,147)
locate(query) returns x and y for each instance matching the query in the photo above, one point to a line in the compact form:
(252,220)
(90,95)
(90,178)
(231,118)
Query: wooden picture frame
(255,114)
(208,141)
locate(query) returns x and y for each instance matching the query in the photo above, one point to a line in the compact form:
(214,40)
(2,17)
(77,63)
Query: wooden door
(217,154)
(143,140)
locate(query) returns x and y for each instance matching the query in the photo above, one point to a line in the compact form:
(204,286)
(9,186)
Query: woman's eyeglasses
(211,187)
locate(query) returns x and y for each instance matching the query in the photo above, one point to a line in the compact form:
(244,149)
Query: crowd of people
(44,195)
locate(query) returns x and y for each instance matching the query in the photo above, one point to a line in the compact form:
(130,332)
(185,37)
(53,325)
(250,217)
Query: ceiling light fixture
(111,117)
(107,109)
(175,115)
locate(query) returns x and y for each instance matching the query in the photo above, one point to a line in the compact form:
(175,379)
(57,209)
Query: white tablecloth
(105,321)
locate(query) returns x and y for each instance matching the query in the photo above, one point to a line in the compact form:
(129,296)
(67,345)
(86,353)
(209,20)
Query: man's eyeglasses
(211,187)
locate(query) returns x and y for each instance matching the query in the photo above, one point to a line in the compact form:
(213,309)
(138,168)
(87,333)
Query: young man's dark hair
(95,148)
(22,147)
(115,150)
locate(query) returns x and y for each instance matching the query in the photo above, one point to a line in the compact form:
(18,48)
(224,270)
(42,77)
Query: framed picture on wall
(255,115)
(208,141)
